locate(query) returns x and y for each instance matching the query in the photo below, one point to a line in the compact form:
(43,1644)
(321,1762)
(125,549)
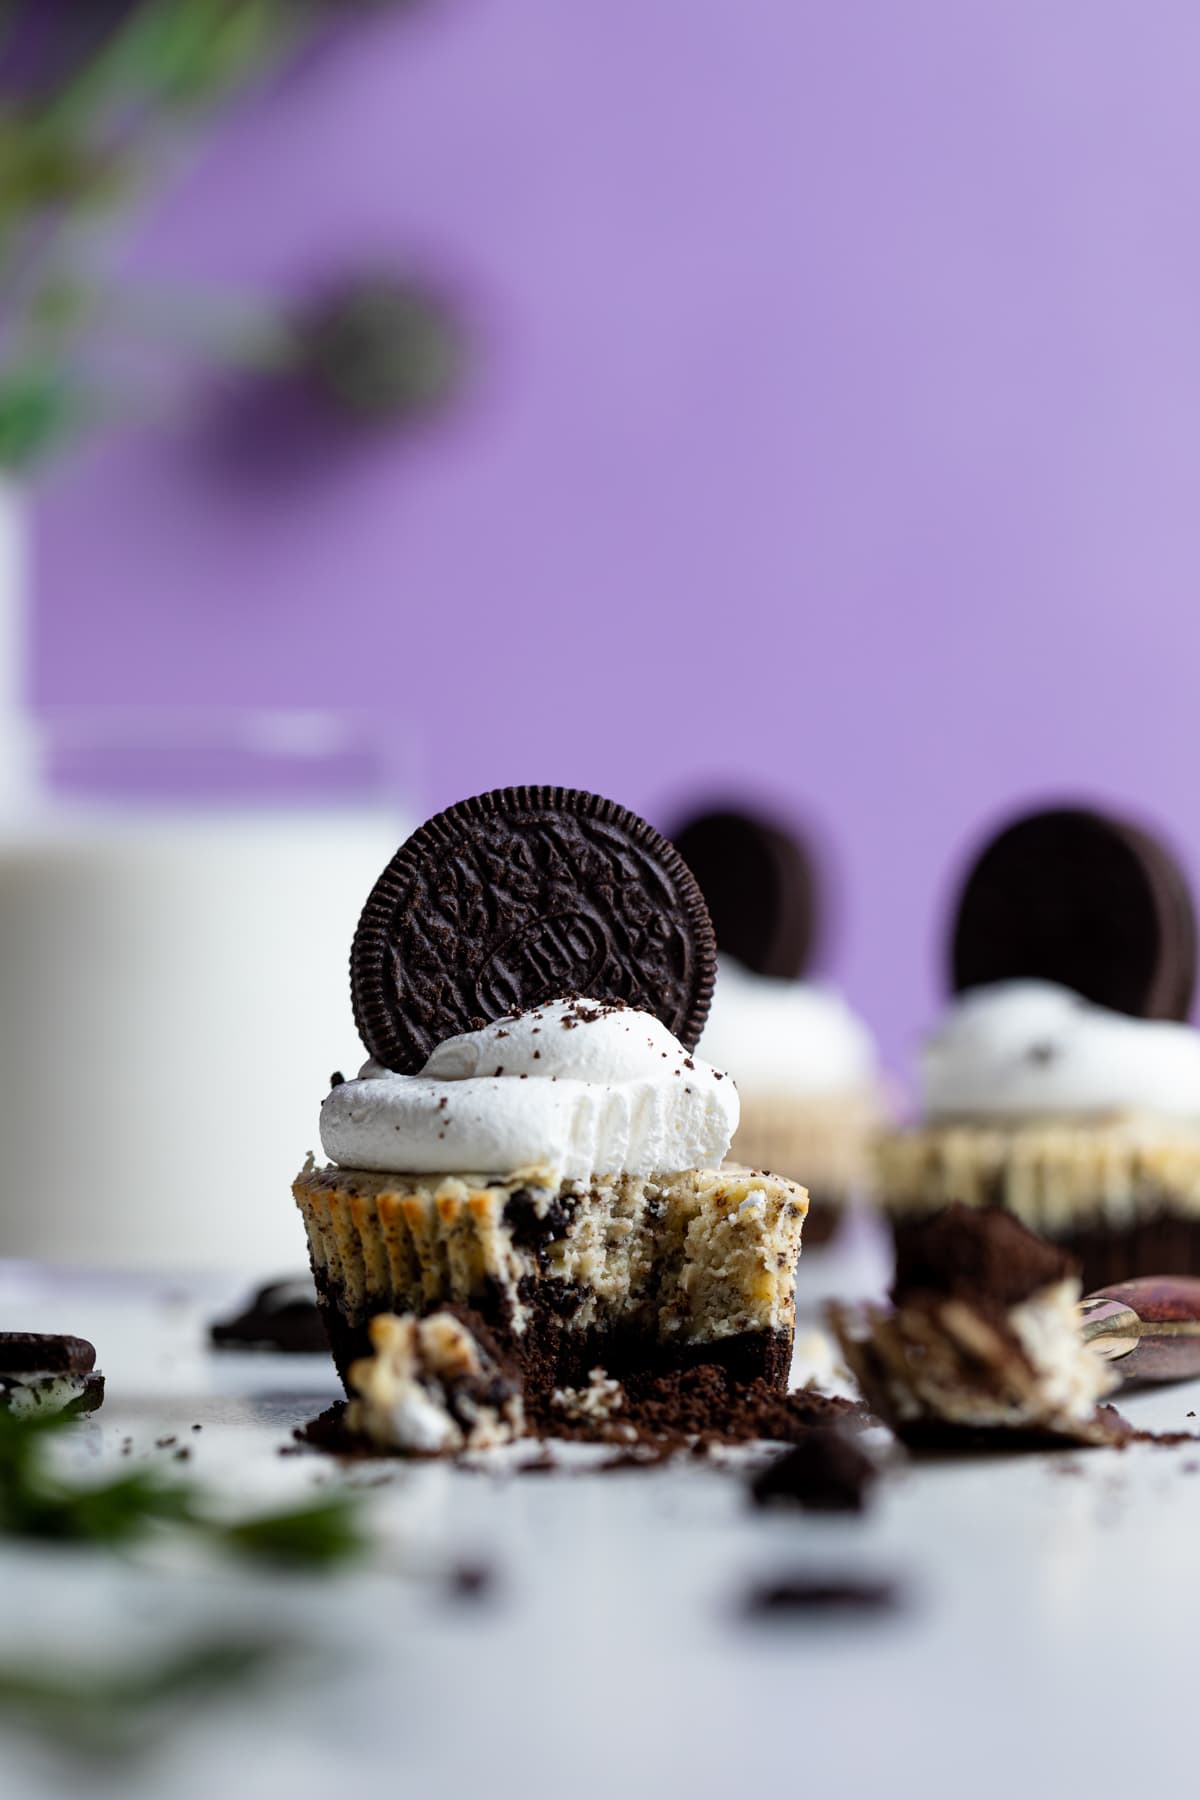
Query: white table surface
(1045,1646)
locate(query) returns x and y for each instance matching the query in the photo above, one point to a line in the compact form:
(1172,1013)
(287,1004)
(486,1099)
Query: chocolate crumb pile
(699,1407)
(695,1409)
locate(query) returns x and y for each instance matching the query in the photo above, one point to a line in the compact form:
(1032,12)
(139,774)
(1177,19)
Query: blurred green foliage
(114,1714)
(77,146)
(36,1502)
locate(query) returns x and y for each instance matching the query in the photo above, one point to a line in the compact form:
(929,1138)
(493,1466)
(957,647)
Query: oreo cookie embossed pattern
(520,896)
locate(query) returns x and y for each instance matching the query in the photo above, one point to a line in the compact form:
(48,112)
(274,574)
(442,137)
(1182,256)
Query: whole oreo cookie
(1091,902)
(758,881)
(520,896)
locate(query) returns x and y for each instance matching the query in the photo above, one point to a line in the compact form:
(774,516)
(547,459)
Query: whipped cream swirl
(1033,1049)
(573,1087)
(786,1037)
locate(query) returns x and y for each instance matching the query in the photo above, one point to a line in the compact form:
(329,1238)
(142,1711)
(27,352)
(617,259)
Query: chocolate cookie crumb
(471,1581)
(820,1594)
(824,1472)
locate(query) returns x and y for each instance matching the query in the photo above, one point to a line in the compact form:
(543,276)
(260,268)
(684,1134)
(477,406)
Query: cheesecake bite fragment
(433,1386)
(983,1338)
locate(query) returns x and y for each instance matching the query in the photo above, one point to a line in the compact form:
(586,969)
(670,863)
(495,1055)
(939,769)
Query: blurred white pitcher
(174,988)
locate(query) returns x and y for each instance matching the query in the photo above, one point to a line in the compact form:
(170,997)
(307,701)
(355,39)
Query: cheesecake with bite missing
(560,1173)
(533,1137)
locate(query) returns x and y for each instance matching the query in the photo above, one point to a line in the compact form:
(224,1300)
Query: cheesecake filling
(1071,1378)
(577,1088)
(37,1394)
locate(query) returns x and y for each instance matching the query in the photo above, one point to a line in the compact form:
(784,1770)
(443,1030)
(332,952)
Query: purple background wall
(836,429)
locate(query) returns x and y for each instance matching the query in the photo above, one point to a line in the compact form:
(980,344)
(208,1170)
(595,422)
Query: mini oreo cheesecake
(805,1064)
(1064,1082)
(532,1137)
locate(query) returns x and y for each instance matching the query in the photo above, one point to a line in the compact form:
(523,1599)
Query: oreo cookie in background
(520,896)
(758,879)
(282,1315)
(1078,897)
(43,1372)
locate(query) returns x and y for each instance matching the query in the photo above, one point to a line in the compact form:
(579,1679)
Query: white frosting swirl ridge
(1033,1049)
(575,1087)
(786,1037)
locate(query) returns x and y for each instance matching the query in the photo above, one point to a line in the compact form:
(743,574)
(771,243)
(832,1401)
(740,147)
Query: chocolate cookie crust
(519,896)
(1094,903)
(978,1254)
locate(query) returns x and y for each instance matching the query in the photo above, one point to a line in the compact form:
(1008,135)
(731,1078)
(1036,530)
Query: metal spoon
(1151,1326)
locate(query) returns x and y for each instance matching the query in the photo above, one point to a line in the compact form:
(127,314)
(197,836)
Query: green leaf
(40,408)
(316,1537)
(186,53)
(37,1503)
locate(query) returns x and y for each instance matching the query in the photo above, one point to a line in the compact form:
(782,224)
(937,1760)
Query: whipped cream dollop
(576,1087)
(792,1037)
(1032,1048)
